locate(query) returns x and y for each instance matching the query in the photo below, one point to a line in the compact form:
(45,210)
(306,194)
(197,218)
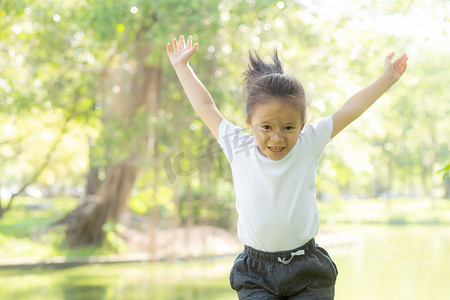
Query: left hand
(395,69)
(181,54)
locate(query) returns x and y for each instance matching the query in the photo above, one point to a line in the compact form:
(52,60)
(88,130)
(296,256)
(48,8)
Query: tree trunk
(137,101)
(93,176)
(447,186)
(85,224)
(154,214)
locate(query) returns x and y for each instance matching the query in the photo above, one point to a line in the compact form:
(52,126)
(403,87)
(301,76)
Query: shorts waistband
(279,255)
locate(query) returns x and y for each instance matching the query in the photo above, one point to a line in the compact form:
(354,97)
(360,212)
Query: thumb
(193,49)
(390,56)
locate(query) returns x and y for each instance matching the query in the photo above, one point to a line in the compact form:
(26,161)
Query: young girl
(274,173)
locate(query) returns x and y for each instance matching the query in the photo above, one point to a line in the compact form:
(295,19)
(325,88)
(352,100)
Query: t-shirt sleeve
(318,134)
(233,140)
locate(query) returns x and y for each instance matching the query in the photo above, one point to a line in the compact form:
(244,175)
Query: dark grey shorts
(308,274)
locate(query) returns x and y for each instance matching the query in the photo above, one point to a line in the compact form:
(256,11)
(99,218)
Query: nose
(277,136)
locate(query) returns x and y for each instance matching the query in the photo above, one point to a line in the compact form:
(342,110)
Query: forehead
(275,111)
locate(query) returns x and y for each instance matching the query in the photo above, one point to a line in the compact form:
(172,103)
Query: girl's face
(276,127)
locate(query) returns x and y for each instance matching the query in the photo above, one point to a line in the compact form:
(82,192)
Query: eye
(266,127)
(289,128)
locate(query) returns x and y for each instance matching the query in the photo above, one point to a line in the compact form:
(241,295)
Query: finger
(404,67)
(405,64)
(405,58)
(189,42)
(175,46)
(169,51)
(193,49)
(401,60)
(182,44)
(388,59)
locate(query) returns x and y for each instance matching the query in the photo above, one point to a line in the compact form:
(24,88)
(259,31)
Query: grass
(34,215)
(23,230)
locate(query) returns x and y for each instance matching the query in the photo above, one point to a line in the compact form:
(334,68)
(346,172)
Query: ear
(249,124)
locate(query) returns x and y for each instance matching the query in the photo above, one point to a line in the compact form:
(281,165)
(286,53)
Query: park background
(103,159)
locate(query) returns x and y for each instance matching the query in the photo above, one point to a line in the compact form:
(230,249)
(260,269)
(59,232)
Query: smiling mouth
(276,149)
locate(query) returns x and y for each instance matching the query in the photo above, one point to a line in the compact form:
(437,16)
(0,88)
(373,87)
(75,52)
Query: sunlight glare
(47,135)
(8,129)
(116,89)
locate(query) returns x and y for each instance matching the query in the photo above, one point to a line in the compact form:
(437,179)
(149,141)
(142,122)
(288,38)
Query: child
(274,174)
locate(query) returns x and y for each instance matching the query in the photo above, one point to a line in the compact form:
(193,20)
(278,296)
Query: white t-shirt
(275,200)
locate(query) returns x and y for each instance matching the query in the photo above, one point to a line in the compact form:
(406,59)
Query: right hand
(395,70)
(181,53)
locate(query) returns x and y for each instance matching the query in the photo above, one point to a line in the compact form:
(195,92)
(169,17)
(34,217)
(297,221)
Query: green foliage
(112,231)
(445,172)
(145,199)
(74,60)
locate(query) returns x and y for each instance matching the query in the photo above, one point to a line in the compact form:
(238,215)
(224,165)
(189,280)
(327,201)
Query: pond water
(387,262)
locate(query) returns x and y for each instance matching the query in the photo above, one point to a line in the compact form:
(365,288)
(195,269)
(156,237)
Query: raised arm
(196,92)
(362,100)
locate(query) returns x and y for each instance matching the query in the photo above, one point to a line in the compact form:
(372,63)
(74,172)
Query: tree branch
(43,166)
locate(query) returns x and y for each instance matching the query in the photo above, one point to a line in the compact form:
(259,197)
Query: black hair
(264,82)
